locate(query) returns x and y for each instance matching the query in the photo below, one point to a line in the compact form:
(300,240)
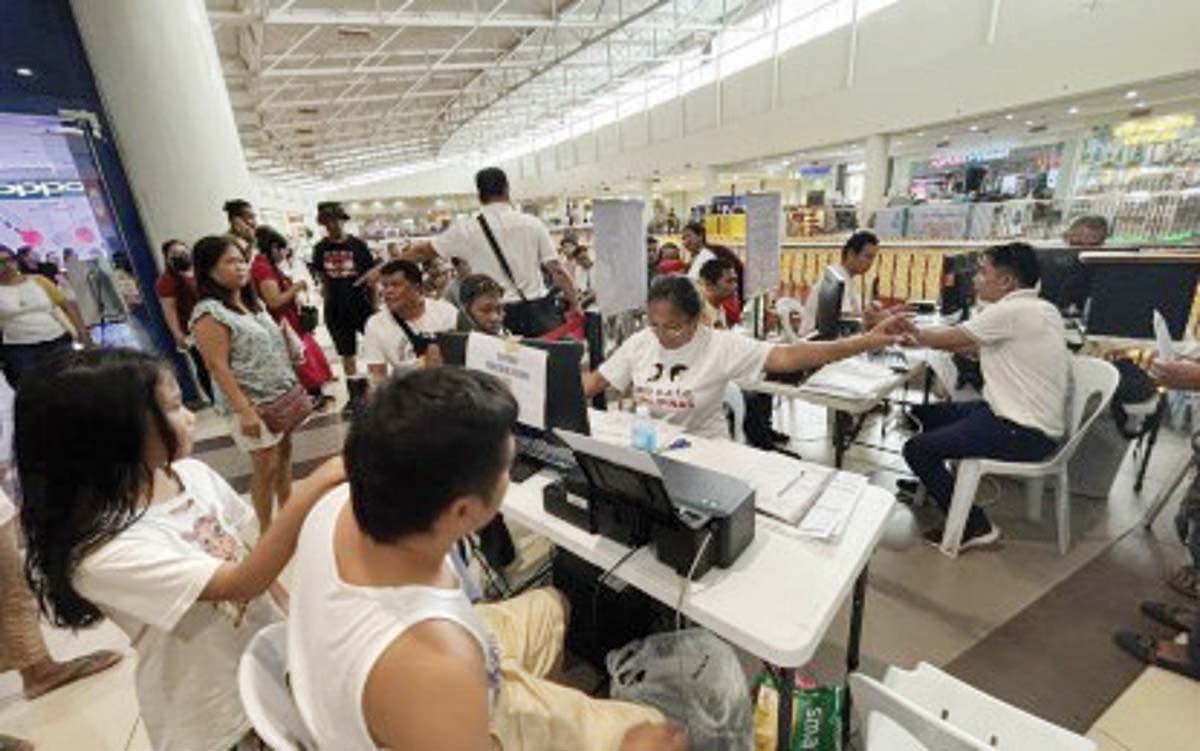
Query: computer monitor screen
(564,406)
(1125,296)
(1065,281)
(829,306)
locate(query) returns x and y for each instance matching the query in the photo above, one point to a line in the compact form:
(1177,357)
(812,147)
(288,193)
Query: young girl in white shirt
(122,525)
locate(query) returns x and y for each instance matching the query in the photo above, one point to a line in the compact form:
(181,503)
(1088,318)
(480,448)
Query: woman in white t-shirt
(31,308)
(121,525)
(679,367)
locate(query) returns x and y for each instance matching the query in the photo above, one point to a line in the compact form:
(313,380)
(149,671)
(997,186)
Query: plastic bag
(693,678)
(816,716)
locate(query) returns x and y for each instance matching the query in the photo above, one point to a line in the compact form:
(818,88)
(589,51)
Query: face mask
(181,263)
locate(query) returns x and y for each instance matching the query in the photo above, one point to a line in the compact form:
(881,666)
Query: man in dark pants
(1021,345)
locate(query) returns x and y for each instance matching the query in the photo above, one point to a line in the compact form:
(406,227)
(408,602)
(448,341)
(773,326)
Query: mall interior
(929,267)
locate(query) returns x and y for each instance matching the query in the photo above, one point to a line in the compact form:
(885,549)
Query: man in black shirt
(340,259)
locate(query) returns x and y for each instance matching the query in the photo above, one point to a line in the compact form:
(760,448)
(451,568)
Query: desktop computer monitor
(1125,295)
(829,307)
(563,405)
(1065,282)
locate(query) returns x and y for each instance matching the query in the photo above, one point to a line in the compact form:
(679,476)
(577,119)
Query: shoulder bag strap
(419,343)
(487,232)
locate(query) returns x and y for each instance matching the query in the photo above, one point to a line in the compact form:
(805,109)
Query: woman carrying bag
(248,355)
(281,295)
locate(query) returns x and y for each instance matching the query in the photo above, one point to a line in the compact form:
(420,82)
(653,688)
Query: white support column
(159,75)
(875,176)
(648,187)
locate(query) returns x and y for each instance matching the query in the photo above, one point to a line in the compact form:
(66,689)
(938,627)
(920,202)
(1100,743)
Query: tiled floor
(921,605)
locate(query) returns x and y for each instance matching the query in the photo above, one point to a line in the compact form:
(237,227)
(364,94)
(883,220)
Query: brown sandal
(74,670)
(1186,581)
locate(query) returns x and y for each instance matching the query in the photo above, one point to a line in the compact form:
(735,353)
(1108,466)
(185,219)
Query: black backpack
(1134,386)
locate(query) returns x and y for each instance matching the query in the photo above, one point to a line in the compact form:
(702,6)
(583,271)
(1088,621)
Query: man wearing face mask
(176,290)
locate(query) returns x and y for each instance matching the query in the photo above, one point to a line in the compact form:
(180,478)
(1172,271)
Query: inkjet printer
(696,518)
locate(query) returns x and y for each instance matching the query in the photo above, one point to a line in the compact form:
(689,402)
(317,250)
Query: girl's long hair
(82,426)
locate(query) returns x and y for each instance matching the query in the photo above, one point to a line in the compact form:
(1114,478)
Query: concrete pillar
(158,73)
(875,176)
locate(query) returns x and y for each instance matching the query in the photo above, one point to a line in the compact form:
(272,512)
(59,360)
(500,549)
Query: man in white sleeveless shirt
(384,648)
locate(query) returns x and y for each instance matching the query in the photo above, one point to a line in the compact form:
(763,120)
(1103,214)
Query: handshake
(896,329)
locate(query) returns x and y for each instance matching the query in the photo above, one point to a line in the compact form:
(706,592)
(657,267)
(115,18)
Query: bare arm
(257,572)
(594,383)
(71,308)
(950,338)
(808,355)
(276,299)
(212,339)
(378,373)
(562,280)
(400,710)
(171,315)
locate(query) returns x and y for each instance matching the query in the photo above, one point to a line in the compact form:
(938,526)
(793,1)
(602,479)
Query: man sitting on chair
(1020,342)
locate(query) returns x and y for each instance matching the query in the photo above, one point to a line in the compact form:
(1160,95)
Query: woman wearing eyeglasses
(679,367)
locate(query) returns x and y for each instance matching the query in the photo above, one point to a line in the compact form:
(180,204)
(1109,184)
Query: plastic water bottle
(645,434)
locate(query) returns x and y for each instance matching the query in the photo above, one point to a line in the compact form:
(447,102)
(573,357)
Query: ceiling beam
(362,98)
(439,20)
(447,67)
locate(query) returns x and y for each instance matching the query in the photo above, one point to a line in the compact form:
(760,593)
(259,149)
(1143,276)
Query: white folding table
(778,599)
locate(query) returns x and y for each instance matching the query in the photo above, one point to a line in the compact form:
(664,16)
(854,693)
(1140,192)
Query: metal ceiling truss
(329,93)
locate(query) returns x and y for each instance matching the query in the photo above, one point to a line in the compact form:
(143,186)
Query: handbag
(309,317)
(285,413)
(529,318)
(295,347)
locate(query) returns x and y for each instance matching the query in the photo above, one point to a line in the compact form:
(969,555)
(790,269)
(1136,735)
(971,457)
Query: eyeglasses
(674,330)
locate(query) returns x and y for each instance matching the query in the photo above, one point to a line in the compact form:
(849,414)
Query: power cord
(596,594)
(687,580)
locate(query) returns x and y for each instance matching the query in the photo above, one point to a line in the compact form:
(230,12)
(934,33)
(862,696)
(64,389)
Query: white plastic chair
(927,710)
(735,401)
(262,683)
(1093,382)
(786,307)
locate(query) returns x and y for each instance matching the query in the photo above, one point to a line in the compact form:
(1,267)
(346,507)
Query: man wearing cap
(340,259)
(510,247)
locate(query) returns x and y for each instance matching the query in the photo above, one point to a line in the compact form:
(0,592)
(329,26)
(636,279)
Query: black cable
(596,594)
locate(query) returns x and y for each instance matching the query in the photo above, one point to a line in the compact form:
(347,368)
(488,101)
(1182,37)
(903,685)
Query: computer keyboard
(535,454)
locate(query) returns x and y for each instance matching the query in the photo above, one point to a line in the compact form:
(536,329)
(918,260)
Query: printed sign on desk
(523,370)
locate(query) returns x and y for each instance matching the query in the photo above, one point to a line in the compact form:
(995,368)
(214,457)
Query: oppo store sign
(41,189)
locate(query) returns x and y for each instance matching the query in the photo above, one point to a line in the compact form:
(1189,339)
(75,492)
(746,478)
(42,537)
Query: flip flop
(1144,649)
(8,743)
(80,667)
(1178,617)
(1185,581)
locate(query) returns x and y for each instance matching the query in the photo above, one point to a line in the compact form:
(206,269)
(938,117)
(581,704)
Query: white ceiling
(327,90)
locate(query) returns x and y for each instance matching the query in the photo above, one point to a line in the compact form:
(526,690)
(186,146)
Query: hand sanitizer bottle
(645,434)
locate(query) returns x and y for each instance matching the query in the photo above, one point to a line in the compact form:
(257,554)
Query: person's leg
(533,712)
(283,469)
(262,485)
(22,647)
(926,452)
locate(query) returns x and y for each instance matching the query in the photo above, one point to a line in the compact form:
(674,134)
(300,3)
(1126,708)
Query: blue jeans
(967,430)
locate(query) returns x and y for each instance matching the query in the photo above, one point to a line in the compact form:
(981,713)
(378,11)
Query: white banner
(764,225)
(620,252)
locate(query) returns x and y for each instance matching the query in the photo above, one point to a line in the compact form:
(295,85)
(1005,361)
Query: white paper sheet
(620,252)
(828,518)
(1162,338)
(764,220)
(622,456)
(523,369)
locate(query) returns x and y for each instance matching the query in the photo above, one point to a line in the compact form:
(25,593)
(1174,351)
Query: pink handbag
(285,413)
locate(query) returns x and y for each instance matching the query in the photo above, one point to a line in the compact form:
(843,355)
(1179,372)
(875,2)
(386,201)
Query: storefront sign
(949,159)
(41,189)
(1168,128)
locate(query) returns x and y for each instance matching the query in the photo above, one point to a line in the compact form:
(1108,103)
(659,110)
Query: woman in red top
(279,293)
(176,290)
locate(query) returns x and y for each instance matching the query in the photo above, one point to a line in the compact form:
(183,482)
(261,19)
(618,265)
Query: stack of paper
(828,518)
(786,488)
(853,377)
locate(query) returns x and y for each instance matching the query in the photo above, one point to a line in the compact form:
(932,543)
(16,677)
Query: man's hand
(876,313)
(661,737)
(1180,375)
(895,329)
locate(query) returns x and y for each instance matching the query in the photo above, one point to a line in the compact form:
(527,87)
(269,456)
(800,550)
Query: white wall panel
(747,94)
(635,131)
(666,121)
(609,138)
(700,110)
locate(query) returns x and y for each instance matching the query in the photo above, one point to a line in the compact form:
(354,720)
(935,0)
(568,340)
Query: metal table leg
(787,700)
(1151,438)
(857,604)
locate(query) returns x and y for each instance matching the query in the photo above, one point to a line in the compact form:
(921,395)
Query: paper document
(623,456)
(854,376)
(829,517)
(523,370)
(786,488)
(1162,338)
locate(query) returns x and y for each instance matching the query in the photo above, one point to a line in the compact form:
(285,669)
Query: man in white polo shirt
(398,336)
(518,248)
(1022,351)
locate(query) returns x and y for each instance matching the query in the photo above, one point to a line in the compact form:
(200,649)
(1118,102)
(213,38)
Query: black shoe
(908,486)
(777,437)
(357,389)
(972,538)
